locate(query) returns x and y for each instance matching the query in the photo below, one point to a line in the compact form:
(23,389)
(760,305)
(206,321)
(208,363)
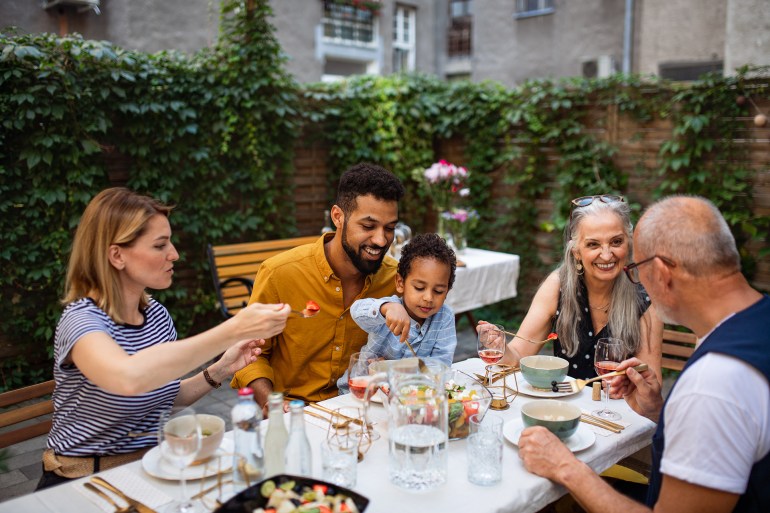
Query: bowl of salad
(466,396)
(294,494)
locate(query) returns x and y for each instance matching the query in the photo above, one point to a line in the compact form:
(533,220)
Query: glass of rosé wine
(491,342)
(359,377)
(608,355)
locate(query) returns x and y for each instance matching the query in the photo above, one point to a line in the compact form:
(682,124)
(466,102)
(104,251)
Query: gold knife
(603,421)
(141,508)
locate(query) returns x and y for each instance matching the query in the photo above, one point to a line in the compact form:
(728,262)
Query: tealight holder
(502,395)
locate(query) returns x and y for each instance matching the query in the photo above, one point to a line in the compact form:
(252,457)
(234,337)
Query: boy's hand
(397,320)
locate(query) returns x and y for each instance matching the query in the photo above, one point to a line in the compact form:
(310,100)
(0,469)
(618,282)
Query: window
(404,32)
(529,8)
(689,71)
(348,24)
(459,33)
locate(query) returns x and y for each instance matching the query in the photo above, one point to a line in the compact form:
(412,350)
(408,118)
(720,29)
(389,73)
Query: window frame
(523,11)
(407,45)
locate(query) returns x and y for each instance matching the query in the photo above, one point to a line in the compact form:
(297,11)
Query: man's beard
(363,265)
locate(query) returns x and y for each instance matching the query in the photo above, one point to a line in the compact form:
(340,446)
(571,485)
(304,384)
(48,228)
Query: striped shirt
(436,338)
(89,421)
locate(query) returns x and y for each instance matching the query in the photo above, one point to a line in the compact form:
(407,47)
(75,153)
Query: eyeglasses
(584,201)
(632,269)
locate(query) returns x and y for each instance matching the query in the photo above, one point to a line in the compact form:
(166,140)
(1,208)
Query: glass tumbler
(485,450)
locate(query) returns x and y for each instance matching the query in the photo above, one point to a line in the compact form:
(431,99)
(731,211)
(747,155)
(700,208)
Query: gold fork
(579,384)
(105,496)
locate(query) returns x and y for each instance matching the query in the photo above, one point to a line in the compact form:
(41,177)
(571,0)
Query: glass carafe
(417,424)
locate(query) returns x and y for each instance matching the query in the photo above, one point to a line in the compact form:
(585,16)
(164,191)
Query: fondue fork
(579,384)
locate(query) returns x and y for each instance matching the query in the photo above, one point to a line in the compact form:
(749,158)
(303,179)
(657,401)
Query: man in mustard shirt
(306,360)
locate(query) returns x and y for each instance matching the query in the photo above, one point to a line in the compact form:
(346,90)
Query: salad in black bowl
(293,494)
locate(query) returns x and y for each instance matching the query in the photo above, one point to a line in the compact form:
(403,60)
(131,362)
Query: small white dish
(527,389)
(222,461)
(581,440)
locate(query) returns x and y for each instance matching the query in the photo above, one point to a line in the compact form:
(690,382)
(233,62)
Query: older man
(711,448)
(306,360)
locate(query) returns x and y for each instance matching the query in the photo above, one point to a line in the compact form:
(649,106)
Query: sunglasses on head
(584,201)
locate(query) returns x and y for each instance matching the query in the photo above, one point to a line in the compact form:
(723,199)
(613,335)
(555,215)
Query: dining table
(518,490)
(483,277)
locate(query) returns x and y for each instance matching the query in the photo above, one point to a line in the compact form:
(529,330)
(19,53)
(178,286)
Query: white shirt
(717,423)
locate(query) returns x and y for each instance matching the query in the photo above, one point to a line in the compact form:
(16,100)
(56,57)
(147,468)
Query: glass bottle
(299,457)
(248,458)
(276,436)
(327,222)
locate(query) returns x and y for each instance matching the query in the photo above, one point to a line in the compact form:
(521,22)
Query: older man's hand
(543,453)
(640,390)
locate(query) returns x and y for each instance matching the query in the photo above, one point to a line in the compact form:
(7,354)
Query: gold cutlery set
(134,506)
(602,423)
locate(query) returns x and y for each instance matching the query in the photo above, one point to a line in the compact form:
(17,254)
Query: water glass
(339,462)
(485,450)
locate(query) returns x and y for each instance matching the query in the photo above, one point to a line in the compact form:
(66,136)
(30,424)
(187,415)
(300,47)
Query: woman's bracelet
(209,379)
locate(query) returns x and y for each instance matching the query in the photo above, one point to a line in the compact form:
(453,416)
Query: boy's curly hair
(427,245)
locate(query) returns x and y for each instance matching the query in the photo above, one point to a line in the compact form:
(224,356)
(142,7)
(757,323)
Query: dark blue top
(743,336)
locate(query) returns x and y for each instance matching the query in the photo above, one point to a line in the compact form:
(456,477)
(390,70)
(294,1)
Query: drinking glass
(608,355)
(339,457)
(359,377)
(485,449)
(491,342)
(179,439)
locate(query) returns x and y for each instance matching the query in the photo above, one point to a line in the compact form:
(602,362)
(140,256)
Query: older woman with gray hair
(587,297)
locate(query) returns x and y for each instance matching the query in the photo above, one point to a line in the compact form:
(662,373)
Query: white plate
(527,389)
(222,461)
(582,439)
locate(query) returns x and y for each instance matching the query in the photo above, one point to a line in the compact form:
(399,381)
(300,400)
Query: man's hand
(262,388)
(640,390)
(543,453)
(397,320)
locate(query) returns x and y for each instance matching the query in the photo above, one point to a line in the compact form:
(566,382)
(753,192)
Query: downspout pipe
(628,29)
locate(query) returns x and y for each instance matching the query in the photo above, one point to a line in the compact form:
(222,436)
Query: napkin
(132,484)
(601,431)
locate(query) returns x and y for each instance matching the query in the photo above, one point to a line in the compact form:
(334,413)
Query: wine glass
(609,354)
(359,378)
(491,342)
(179,439)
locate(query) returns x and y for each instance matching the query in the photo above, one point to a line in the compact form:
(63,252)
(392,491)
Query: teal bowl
(540,370)
(559,417)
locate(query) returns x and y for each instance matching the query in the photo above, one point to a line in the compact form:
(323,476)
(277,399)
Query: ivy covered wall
(246,154)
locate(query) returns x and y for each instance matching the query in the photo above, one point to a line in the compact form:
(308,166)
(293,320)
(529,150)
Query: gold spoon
(420,363)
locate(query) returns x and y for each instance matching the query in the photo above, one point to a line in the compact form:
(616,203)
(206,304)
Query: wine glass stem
(183,483)
(606,395)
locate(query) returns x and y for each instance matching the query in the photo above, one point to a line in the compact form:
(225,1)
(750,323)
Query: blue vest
(746,336)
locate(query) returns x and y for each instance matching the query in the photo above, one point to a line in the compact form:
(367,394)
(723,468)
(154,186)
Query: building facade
(503,40)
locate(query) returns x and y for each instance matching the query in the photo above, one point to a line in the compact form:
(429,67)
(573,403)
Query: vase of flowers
(445,184)
(458,222)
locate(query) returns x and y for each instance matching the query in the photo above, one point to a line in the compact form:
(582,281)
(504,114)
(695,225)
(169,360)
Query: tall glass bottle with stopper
(328,227)
(276,436)
(299,457)
(248,458)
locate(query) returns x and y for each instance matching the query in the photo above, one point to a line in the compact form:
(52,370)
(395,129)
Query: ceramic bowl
(465,396)
(540,370)
(213,431)
(559,417)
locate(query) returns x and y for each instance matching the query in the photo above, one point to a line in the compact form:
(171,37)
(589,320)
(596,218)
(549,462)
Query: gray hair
(626,303)
(692,232)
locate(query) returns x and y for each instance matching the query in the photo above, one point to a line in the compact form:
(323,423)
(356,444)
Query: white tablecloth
(519,490)
(488,277)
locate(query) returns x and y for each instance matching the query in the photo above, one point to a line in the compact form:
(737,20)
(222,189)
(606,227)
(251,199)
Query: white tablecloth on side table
(488,277)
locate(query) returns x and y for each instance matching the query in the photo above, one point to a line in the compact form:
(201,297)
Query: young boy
(426,273)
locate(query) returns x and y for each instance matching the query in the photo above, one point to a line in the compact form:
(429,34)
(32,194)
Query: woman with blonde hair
(587,297)
(117,364)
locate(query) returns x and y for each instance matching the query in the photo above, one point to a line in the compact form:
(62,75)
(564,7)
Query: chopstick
(332,412)
(604,424)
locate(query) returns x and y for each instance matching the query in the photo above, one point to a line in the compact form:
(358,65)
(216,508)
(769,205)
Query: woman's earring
(579,268)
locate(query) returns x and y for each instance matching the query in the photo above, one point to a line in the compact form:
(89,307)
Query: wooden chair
(677,348)
(234,266)
(25,413)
